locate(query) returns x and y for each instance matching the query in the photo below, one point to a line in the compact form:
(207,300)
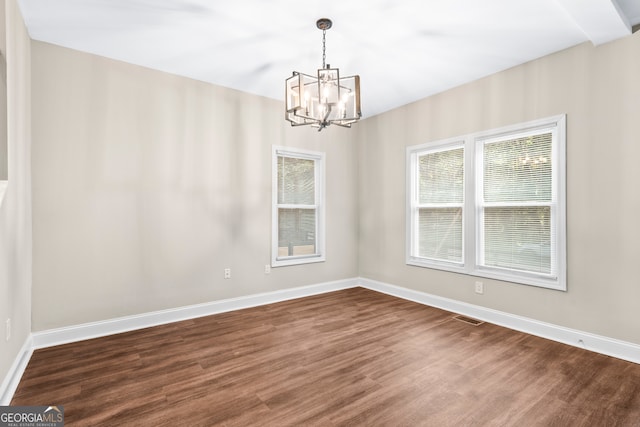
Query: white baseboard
(604,345)
(608,346)
(86,331)
(11,381)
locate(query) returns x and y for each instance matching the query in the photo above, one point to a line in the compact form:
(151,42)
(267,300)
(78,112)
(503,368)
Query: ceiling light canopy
(324,99)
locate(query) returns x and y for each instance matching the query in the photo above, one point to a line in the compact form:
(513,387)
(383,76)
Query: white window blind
(298,204)
(517,203)
(440,195)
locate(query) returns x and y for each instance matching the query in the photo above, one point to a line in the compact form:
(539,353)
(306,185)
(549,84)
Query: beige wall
(147,186)
(599,90)
(15,208)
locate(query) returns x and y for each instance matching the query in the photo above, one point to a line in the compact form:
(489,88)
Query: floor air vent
(468,320)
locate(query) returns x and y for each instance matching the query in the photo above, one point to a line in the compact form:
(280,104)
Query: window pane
(296,232)
(296,181)
(518,169)
(518,238)
(440,234)
(441,177)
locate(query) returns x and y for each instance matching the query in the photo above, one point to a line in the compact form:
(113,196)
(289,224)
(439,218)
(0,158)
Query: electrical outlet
(227,273)
(267,269)
(479,288)
(7,331)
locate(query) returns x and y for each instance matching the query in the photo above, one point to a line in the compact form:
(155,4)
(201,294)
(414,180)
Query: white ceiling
(403,50)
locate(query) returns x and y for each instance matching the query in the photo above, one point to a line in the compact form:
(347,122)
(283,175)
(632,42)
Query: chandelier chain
(324,55)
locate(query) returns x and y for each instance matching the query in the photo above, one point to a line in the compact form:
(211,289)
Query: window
(491,204)
(439,199)
(298,207)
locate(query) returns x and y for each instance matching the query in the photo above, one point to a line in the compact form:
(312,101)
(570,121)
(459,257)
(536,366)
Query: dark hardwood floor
(353,357)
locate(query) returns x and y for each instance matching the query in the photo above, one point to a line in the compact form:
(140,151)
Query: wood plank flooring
(352,357)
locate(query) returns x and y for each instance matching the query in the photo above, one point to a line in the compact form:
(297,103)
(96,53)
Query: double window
(491,204)
(298,207)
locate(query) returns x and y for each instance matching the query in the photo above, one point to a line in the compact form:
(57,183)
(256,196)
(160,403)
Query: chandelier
(324,99)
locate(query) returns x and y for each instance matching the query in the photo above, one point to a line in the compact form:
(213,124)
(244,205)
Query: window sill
(297,261)
(558,284)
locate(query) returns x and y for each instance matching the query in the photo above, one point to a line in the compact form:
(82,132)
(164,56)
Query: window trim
(473,144)
(412,204)
(319,173)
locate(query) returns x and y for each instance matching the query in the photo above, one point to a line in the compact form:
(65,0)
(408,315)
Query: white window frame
(414,205)
(472,209)
(319,206)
